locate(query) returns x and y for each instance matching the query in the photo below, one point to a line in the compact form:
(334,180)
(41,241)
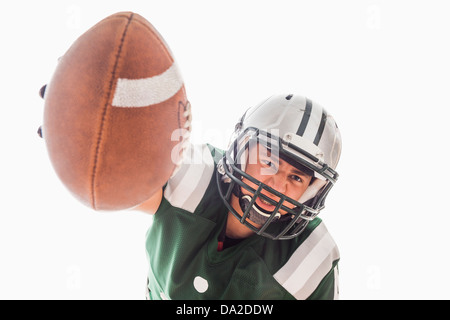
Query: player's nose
(276,182)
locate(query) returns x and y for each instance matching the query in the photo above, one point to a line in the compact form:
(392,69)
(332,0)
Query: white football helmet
(298,131)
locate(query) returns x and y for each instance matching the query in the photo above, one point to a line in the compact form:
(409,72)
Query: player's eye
(296,178)
(268,164)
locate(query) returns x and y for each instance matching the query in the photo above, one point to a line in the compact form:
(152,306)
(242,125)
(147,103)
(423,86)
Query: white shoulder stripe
(336,283)
(309,264)
(187,187)
(148,91)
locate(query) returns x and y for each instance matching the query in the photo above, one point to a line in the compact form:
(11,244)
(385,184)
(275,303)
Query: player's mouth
(264,204)
(260,211)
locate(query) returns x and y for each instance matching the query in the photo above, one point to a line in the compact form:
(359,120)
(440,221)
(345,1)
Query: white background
(382,68)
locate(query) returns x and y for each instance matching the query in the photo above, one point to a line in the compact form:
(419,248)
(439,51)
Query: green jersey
(182,247)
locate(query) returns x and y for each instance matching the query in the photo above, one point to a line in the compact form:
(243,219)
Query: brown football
(115,109)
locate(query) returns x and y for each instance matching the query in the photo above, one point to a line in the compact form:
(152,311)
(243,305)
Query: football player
(242,224)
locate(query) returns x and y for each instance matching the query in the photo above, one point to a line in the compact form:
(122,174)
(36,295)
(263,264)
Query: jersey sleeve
(328,288)
(188,184)
(311,271)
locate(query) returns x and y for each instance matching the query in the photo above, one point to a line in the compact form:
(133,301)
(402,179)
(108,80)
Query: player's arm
(151,205)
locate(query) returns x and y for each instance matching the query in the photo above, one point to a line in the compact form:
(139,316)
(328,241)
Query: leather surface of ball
(111,109)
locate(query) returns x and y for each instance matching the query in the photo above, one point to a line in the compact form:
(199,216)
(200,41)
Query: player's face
(277,174)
